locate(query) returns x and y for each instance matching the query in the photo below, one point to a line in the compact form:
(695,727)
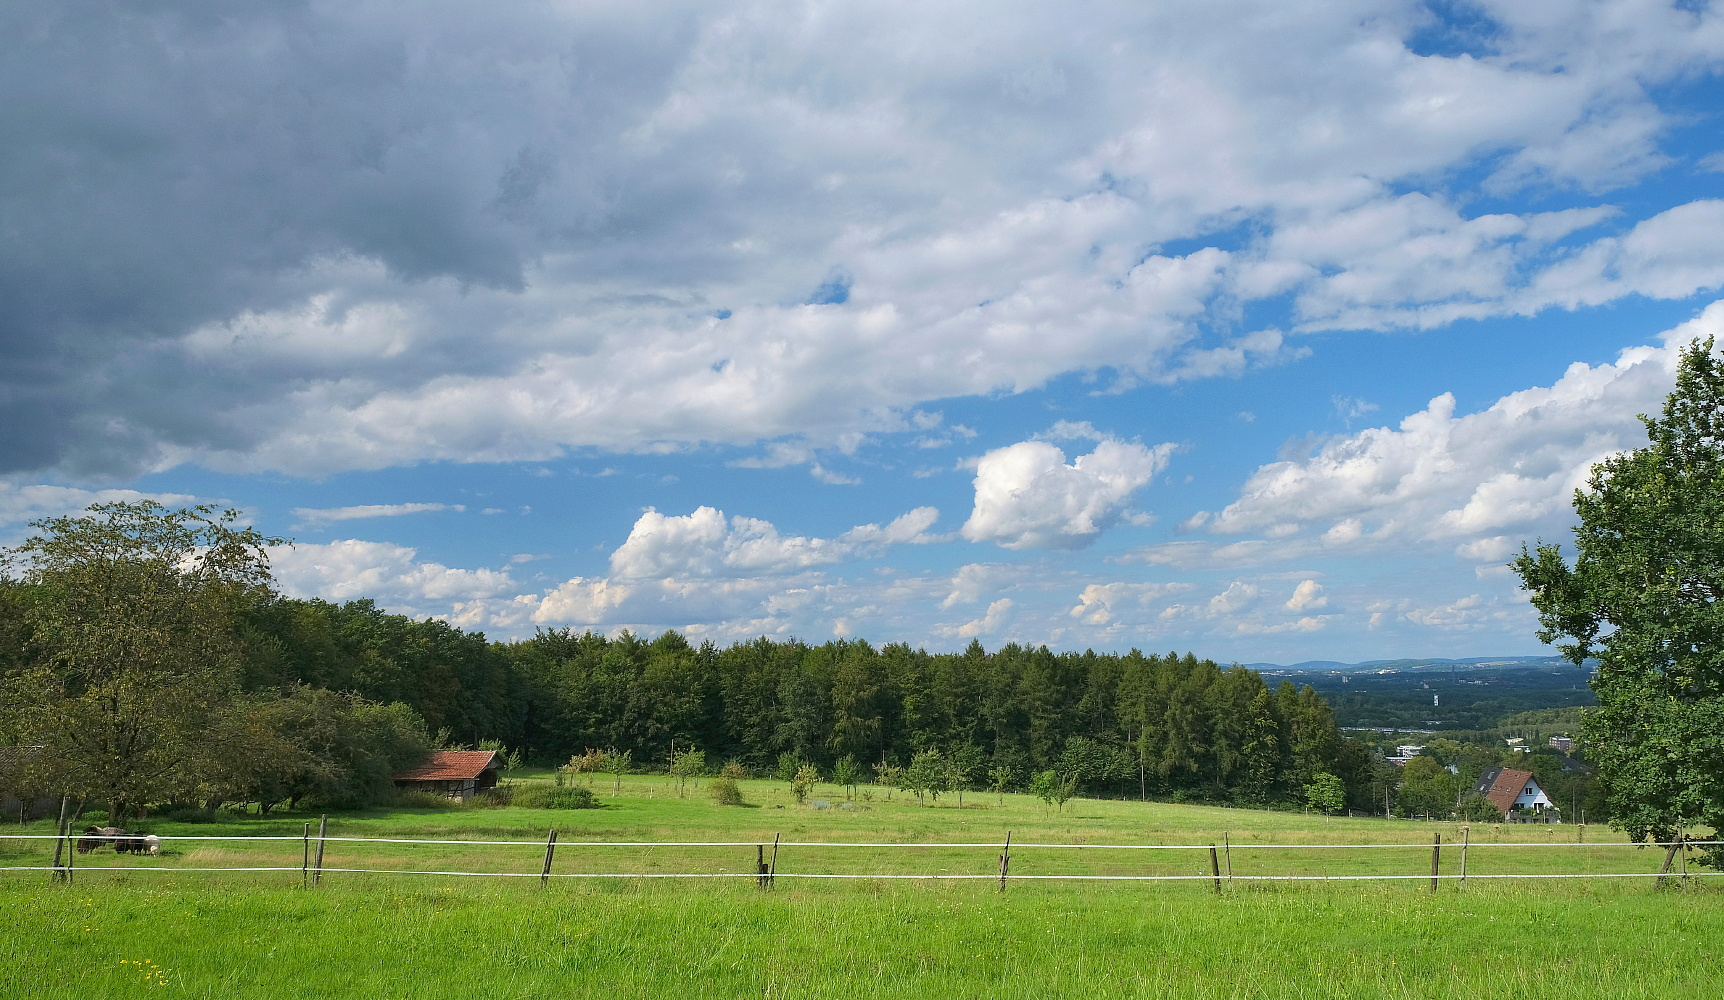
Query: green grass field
(119,931)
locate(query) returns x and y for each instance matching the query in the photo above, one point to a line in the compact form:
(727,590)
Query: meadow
(118,930)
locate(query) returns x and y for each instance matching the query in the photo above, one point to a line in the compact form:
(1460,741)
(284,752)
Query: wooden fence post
(1227,849)
(305,857)
(1006,861)
(1215,869)
(772,869)
(59,840)
(322,829)
(550,849)
(1466,838)
(1436,857)
(760,865)
(1682,854)
(1664,869)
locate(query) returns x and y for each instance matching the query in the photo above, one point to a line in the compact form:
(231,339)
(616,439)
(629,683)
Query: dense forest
(145,660)
(1132,724)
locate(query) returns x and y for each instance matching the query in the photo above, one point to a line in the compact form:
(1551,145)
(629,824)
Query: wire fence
(1219,863)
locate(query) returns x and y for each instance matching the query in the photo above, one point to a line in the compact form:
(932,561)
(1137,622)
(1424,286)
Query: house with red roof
(453,773)
(1517,795)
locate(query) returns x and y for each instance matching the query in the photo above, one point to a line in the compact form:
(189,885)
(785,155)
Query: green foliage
(685,765)
(802,784)
(725,791)
(847,773)
(426,800)
(1643,597)
(1325,794)
(1476,808)
(537,795)
(1427,788)
(132,615)
(888,776)
(1163,724)
(927,776)
(1000,778)
(511,758)
(1053,789)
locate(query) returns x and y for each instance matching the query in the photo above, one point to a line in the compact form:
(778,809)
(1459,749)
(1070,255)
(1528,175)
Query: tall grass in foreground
(215,936)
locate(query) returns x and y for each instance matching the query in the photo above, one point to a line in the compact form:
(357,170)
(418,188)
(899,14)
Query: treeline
(145,659)
(1126,725)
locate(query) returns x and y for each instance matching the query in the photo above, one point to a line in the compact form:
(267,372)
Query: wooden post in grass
(760,865)
(322,829)
(1227,850)
(1215,869)
(772,869)
(1006,861)
(550,849)
(1682,854)
(1436,857)
(1466,838)
(305,857)
(1664,869)
(59,840)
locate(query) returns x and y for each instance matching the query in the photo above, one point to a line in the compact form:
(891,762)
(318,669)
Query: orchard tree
(1645,596)
(132,611)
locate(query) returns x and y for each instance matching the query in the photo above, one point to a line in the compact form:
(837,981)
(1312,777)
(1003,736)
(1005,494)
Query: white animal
(153,844)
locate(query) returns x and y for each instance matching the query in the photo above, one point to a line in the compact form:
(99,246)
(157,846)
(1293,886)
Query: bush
(1478,809)
(724,791)
(426,800)
(539,796)
(734,771)
(804,782)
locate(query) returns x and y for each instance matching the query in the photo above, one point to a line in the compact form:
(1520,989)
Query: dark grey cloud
(315,236)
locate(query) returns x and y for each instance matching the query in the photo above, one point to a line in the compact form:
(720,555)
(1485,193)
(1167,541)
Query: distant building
(453,773)
(1516,744)
(1408,750)
(1517,795)
(1563,743)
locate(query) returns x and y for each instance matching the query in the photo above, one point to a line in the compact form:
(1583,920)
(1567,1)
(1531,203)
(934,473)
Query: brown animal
(97,836)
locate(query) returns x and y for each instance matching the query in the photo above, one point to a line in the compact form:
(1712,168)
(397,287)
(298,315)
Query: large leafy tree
(133,650)
(1643,595)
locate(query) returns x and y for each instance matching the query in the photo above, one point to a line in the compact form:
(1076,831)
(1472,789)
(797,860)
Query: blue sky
(1264,330)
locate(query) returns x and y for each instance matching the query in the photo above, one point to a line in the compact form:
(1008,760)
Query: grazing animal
(96,836)
(153,844)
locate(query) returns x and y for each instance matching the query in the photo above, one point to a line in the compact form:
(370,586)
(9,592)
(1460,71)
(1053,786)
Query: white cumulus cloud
(707,544)
(1028,496)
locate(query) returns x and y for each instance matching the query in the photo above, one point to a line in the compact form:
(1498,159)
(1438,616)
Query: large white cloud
(1027,496)
(480,235)
(391,574)
(1477,482)
(705,544)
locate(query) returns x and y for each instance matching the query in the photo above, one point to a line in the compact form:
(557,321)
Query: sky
(1264,330)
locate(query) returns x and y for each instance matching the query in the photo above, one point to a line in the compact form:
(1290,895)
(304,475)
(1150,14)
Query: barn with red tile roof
(454,773)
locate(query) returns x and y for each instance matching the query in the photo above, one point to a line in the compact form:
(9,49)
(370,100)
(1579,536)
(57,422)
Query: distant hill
(1436,694)
(1427,663)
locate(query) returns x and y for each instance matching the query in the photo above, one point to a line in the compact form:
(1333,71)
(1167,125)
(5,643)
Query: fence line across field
(818,843)
(880,876)
(765,874)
